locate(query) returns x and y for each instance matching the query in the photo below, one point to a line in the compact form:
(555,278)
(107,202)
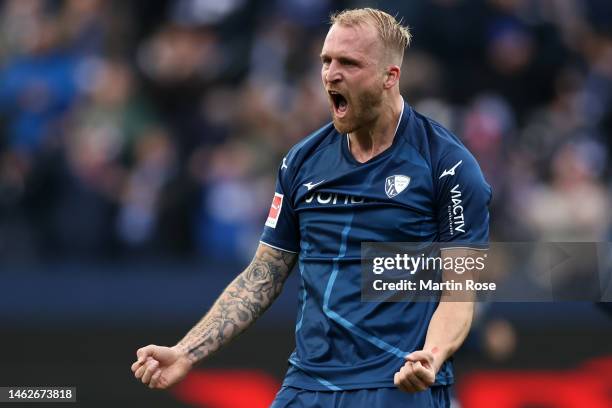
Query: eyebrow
(345,60)
(341,59)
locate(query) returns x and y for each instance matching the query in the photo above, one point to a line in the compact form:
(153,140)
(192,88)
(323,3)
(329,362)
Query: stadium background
(138,147)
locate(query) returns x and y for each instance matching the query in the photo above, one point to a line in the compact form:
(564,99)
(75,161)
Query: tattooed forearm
(242,302)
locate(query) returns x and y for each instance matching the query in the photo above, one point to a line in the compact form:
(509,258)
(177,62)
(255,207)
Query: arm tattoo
(242,302)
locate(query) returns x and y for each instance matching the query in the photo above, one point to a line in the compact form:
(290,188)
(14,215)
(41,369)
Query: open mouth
(340,103)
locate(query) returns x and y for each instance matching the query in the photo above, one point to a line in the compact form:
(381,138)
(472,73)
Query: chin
(342,126)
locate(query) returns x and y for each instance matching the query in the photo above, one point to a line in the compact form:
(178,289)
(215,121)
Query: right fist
(160,367)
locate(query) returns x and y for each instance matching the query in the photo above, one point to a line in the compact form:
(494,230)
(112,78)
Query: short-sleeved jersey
(426,187)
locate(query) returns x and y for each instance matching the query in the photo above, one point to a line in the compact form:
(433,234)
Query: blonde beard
(361,116)
(344,127)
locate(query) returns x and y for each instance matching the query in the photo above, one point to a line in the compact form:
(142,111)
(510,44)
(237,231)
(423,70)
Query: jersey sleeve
(281,230)
(463,198)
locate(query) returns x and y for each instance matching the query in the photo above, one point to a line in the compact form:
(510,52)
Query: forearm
(240,304)
(448,329)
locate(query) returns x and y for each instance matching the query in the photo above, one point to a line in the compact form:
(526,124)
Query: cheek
(324,70)
(369,98)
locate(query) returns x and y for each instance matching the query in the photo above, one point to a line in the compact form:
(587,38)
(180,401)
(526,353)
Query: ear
(392,76)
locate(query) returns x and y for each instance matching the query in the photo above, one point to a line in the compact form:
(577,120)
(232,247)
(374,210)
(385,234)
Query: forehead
(357,40)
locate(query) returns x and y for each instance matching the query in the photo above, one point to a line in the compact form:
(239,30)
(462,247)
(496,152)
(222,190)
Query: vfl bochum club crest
(396,184)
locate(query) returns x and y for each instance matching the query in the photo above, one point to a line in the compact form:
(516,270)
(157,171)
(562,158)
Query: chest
(341,204)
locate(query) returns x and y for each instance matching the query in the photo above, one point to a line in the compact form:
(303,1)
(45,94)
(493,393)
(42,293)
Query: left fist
(417,374)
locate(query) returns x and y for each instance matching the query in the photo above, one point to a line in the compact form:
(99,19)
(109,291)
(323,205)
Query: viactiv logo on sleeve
(456,220)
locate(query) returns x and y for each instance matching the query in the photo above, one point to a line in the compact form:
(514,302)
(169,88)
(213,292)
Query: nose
(332,73)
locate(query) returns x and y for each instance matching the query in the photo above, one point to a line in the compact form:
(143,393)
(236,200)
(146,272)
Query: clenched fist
(160,367)
(418,373)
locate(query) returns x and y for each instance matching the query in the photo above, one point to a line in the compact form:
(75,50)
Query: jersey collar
(399,130)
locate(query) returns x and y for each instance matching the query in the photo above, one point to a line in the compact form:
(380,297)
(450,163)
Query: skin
(355,64)
(447,330)
(240,304)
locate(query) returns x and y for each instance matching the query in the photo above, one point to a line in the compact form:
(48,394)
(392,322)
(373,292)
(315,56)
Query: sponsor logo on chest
(394,185)
(333,199)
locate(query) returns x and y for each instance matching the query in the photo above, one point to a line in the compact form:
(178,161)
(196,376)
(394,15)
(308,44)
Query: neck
(370,141)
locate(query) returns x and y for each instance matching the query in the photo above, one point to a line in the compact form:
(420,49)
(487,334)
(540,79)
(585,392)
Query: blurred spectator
(126,130)
(37,87)
(153,165)
(233,199)
(575,205)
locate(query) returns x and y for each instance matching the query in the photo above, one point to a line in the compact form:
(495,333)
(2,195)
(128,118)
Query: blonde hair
(394,36)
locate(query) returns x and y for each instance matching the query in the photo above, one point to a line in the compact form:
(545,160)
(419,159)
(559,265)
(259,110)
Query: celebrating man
(381,172)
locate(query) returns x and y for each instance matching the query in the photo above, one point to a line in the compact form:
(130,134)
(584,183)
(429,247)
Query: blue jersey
(426,187)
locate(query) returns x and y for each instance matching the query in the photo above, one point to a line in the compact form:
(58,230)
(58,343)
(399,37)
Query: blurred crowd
(155,128)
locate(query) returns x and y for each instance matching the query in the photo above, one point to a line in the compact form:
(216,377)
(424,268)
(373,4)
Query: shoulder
(307,147)
(443,149)
(315,141)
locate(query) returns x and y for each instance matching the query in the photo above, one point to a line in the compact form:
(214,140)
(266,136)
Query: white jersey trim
(348,139)
(275,247)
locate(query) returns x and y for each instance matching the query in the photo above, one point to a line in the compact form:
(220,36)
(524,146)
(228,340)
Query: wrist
(183,353)
(439,357)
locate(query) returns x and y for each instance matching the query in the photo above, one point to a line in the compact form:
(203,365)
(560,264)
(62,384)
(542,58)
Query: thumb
(145,352)
(419,368)
(424,373)
(425,357)
(164,355)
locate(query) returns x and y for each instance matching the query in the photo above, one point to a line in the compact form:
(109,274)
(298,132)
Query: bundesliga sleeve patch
(275,210)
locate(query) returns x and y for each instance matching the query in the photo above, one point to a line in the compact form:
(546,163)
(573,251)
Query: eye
(348,62)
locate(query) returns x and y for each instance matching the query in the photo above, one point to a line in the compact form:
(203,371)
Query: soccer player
(381,172)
